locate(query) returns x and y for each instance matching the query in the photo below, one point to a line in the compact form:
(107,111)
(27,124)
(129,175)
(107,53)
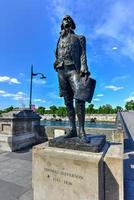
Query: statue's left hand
(85,75)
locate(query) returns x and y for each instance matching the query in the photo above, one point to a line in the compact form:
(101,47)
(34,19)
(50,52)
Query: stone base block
(67,174)
(13,143)
(114,176)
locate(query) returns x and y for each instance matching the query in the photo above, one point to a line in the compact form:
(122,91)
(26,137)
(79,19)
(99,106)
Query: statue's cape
(85,89)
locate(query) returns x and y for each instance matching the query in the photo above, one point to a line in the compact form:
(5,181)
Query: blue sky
(29,30)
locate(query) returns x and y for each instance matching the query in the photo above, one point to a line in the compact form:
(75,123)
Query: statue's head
(67,22)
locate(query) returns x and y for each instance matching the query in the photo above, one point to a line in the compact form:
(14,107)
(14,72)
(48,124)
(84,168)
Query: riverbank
(88,117)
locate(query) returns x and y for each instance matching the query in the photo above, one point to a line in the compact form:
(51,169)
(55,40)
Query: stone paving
(16,175)
(128,119)
(129,175)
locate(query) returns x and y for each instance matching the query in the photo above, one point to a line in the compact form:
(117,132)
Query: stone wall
(20,128)
(88,117)
(112,135)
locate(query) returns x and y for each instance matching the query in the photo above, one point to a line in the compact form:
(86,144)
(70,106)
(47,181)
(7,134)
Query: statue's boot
(71,115)
(80,111)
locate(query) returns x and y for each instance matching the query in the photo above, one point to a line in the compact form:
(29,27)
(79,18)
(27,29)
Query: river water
(88,124)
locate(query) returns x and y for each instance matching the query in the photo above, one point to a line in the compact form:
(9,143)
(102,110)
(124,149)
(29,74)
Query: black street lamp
(31,82)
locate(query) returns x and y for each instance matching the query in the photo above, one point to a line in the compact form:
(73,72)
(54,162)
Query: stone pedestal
(18,129)
(114,176)
(67,174)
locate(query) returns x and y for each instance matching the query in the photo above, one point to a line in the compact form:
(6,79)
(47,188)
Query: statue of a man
(71,63)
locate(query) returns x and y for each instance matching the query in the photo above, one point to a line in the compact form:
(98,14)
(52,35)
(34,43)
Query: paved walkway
(16,175)
(128,120)
(129,175)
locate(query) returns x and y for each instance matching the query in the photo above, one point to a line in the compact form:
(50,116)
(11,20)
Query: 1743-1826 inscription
(62,176)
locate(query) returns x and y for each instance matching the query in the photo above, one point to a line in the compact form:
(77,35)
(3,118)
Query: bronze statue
(71,63)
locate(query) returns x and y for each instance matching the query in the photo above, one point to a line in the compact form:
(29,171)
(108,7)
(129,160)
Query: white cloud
(2,92)
(39,81)
(114,48)
(96,99)
(100,95)
(4,78)
(14,80)
(114,88)
(39,100)
(118,25)
(16,96)
(19,96)
(115,21)
(9,79)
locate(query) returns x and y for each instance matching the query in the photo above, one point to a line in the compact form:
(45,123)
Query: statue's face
(66,22)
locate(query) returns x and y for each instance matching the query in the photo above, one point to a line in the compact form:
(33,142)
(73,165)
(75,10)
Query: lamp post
(31,82)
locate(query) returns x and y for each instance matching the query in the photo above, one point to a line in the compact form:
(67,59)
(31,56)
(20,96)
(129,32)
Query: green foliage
(104,109)
(8,109)
(53,109)
(90,109)
(41,110)
(129,105)
(61,111)
(48,112)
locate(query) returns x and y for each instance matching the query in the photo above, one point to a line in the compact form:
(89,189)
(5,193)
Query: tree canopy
(90,109)
(129,105)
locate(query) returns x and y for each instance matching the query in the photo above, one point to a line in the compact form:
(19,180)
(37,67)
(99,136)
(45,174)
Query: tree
(41,110)
(61,112)
(129,105)
(90,109)
(53,109)
(106,109)
(118,108)
(8,109)
(0,112)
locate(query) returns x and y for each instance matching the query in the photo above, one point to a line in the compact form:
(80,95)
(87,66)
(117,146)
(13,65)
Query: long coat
(72,52)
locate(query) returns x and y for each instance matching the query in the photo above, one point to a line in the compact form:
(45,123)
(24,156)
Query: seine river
(87,124)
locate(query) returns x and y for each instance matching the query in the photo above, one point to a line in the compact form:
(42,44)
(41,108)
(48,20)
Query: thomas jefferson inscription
(66,174)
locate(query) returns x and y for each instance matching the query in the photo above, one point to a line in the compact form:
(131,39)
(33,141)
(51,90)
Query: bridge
(126,120)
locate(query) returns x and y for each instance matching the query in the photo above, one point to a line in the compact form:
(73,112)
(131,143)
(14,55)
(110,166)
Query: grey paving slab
(129,165)
(24,155)
(129,175)
(129,119)
(27,195)
(10,191)
(128,124)
(16,175)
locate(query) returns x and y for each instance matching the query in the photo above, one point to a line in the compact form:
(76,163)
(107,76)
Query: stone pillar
(114,178)
(18,129)
(67,174)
